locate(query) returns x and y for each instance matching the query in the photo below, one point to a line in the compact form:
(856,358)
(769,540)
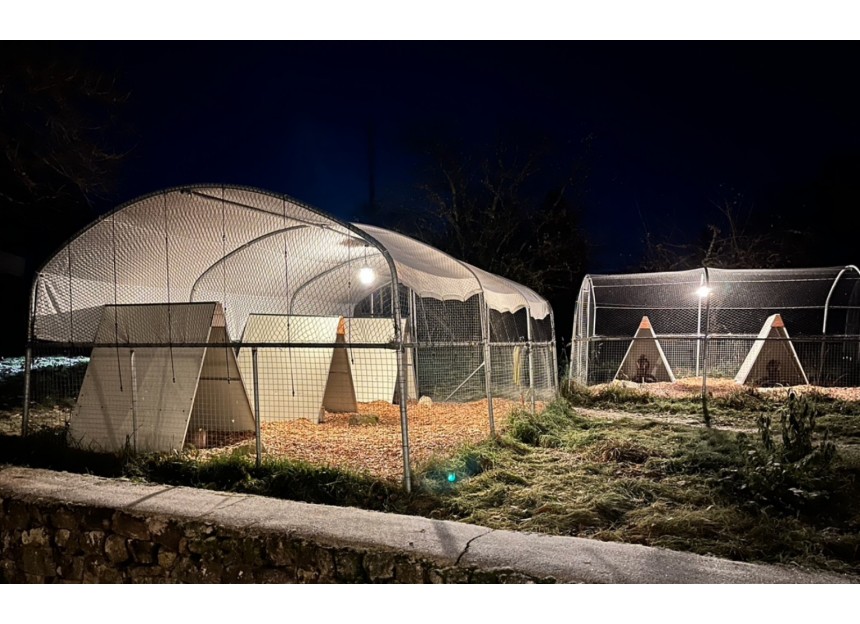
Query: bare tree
(58,124)
(508,210)
(730,242)
(56,156)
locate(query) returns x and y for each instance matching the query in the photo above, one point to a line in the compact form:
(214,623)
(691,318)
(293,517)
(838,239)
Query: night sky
(673,128)
(666,130)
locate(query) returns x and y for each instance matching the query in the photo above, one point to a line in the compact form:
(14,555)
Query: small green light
(452,477)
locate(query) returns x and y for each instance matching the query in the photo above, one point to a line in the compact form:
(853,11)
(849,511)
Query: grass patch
(669,485)
(660,483)
(278,478)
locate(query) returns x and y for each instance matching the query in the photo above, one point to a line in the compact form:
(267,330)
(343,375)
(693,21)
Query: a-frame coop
(772,360)
(149,397)
(298,382)
(645,361)
(374,371)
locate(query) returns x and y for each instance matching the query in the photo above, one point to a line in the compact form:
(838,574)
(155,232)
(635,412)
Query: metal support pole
(28,360)
(404,419)
(257,428)
(465,381)
(699,326)
(401,382)
(133,402)
(531,357)
(28,365)
(705,413)
(554,354)
(488,373)
(413,321)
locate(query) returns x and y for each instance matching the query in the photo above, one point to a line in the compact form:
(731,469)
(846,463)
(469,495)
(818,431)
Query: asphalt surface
(566,559)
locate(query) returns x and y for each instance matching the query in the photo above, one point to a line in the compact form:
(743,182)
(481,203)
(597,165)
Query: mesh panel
(817,311)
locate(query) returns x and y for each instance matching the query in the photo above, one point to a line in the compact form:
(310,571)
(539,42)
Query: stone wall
(61,527)
(49,542)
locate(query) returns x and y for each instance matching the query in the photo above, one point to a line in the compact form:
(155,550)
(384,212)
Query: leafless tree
(728,242)
(56,149)
(506,211)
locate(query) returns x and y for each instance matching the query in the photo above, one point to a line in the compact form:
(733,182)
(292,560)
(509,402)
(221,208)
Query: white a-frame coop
(213,309)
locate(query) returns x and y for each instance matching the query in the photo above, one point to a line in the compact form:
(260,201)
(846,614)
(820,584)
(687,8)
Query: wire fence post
(707,297)
(530,348)
(553,355)
(404,417)
(413,322)
(257,427)
(401,383)
(28,365)
(133,401)
(488,371)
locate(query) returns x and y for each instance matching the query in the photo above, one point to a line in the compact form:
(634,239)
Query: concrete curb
(565,559)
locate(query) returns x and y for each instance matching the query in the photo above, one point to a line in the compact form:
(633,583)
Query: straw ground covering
(371,441)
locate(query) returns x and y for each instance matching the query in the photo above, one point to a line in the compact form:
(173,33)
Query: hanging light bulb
(366,275)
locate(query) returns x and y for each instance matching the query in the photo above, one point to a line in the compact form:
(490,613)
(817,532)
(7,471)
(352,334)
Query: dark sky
(673,127)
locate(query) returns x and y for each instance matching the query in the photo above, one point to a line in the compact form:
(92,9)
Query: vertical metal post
(554,354)
(401,379)
(404,418)
(589,323)
(28,360)
(705,413)
(530,348)
(413,321)
(28,364)
(699,326)
(133,402)
(488,372)
(575,333)
(257,428)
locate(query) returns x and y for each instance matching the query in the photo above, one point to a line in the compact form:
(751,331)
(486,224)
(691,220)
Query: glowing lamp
(703,292)
(366,276)
(452,477)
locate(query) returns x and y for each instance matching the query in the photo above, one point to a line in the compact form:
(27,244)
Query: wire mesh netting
(224,318)
(778,327)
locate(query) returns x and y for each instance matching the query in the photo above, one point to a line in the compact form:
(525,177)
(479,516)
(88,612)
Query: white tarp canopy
(253,251)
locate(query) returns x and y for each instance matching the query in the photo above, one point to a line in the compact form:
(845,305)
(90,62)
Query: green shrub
(787,469)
